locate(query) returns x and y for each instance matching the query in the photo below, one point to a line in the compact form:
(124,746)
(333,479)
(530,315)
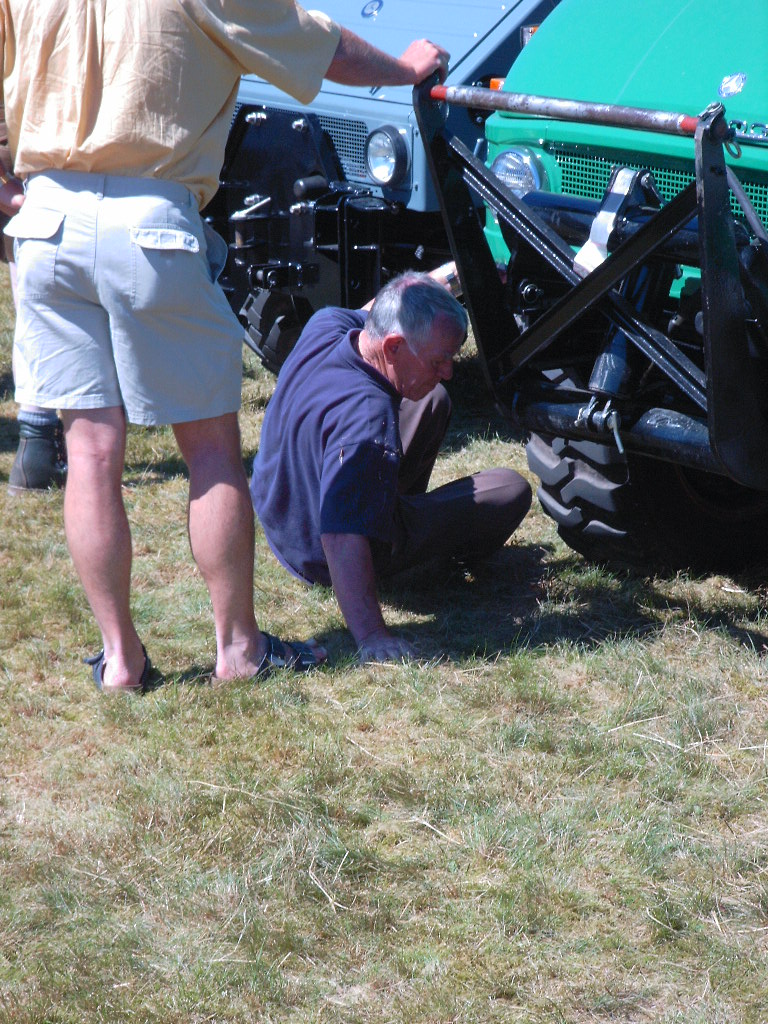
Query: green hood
(658,54)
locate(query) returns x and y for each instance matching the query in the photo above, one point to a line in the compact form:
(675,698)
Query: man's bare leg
(221,534)
(221,530)
(99,536)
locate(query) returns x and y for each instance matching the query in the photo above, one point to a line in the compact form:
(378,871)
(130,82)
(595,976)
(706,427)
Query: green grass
(559,816)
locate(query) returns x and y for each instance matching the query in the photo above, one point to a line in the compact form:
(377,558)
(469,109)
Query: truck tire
(642,512)
(274,322)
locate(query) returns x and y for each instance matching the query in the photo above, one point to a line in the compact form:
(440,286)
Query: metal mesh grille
(586,174)
(349,139)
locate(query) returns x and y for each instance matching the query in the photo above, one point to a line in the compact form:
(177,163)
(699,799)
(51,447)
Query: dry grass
(558,817)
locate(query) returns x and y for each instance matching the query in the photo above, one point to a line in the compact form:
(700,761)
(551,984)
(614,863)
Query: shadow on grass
(517,601)
(194,676)
(9,433)
(474,411)
(157,471)
(337,642)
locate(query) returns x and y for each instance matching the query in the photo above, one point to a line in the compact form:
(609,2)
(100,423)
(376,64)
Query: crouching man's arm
(353,578)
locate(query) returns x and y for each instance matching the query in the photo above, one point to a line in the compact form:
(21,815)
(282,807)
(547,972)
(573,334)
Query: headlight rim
(400,156)
(533,164)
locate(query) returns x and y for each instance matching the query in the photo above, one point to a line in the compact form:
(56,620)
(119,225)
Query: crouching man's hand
(383,646)
(350,564)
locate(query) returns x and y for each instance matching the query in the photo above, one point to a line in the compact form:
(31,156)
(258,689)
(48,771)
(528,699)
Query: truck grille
(586,174)
(348,138)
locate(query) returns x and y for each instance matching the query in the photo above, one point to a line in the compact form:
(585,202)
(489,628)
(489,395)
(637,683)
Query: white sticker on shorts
(165,238)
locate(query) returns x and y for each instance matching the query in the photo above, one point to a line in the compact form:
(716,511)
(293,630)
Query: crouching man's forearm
(353,578)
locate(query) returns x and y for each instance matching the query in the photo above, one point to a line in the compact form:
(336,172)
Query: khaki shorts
(118,301)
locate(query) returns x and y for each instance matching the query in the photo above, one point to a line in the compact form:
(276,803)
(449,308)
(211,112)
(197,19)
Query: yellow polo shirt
(147,87)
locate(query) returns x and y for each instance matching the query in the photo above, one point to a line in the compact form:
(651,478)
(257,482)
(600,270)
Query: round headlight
(520,170)
(386,156)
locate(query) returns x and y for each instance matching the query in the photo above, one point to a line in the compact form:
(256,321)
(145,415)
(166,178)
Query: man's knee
(422,428)
(503,497)
(95,437)
(214,440)
(498,501)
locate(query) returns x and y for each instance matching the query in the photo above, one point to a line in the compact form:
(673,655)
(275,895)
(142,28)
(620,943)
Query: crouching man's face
(415,372)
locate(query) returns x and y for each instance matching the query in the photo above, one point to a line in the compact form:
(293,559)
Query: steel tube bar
(659,433)
(663,121)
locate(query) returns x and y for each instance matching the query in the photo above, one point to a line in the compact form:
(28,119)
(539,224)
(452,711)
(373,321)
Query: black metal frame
(300,237)
(729,433)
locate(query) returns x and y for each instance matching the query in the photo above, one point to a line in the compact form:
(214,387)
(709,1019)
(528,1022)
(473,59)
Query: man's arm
(356,62)
(353,577)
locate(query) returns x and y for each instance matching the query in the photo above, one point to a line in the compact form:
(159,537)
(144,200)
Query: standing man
(347,447)
(118,114)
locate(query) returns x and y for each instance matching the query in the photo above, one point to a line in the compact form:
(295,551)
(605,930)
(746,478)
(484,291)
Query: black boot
(41,459)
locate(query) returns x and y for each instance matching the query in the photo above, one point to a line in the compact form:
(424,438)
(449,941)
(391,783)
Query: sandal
(301,657)
(98,663)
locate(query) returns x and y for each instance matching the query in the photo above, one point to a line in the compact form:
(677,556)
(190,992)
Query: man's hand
(448,276)
(350,564)
(383,646)
(425,57)
(357,62)
(11,195)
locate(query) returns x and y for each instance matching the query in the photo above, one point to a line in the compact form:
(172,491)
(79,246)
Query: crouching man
(347,447)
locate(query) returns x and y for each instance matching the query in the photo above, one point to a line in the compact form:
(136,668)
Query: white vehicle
(322,204)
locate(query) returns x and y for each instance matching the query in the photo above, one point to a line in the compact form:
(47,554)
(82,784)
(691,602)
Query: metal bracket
(273,276)
(737,425)
(253,204)
(621,188)
(601,421)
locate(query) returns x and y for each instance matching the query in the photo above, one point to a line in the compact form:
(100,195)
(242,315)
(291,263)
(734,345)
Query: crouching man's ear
(390,346)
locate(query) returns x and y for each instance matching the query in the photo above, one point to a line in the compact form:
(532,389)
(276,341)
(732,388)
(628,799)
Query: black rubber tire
(274,321)
(643,512)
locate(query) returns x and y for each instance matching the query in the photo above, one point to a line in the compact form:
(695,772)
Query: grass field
(558,816)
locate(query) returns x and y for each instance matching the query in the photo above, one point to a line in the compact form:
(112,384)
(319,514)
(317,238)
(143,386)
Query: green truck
(614,262)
